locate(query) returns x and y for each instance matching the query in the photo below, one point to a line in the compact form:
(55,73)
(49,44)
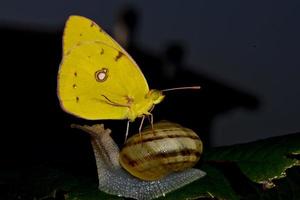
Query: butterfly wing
(80,29)
(97,78)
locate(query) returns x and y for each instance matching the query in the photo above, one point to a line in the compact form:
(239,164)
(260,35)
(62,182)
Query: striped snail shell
(167,148)
(168,155)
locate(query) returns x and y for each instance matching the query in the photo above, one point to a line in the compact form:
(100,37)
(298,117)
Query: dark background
(245,55)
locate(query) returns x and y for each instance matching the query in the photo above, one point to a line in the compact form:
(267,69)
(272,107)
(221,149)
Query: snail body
(114,179)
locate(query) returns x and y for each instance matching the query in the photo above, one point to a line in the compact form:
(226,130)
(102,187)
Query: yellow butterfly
(98,79)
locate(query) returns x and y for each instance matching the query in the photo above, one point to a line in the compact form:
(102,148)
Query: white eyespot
(101,75)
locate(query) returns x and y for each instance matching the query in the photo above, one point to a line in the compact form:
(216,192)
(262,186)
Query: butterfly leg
(127,130)
(150,119)
(141,126)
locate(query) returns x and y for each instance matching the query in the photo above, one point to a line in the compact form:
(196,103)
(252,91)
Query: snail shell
(156,153)
(113,179)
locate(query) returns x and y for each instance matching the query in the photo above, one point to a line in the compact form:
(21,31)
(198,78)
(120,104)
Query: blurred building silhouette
(125,32)
(197,109)
(29,65)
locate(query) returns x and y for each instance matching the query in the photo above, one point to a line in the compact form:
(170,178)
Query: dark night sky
(250,45)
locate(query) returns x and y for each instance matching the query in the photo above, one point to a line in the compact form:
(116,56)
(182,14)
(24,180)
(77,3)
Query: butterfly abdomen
(142,106)
(139,108)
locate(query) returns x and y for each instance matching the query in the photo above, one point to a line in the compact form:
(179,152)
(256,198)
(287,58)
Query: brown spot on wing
(102,51)
(68,53)
(120,54)
(93,24)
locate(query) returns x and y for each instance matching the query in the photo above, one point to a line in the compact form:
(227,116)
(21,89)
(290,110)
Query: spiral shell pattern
(166,148)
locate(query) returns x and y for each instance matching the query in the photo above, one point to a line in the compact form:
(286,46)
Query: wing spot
(77,99)
(75,74)
(120,54)
(74,86)
(92,24)
(102,51)
(80,34)
(101,75)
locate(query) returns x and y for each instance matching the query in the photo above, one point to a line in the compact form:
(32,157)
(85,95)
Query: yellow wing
(97,79)
(80,29)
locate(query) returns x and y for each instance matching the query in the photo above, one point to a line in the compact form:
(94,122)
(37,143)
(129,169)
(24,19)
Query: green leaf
(86,190)
(287,188)
(263,160)
(213,185)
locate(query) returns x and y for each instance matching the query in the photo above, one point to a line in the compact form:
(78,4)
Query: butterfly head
(156,96)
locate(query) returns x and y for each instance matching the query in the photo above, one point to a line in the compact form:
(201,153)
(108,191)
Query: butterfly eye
(101,75)
(155,95)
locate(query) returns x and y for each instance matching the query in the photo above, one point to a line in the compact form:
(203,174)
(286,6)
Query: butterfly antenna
(182,88)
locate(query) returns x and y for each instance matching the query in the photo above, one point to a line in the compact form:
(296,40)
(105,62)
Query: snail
(149,165)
